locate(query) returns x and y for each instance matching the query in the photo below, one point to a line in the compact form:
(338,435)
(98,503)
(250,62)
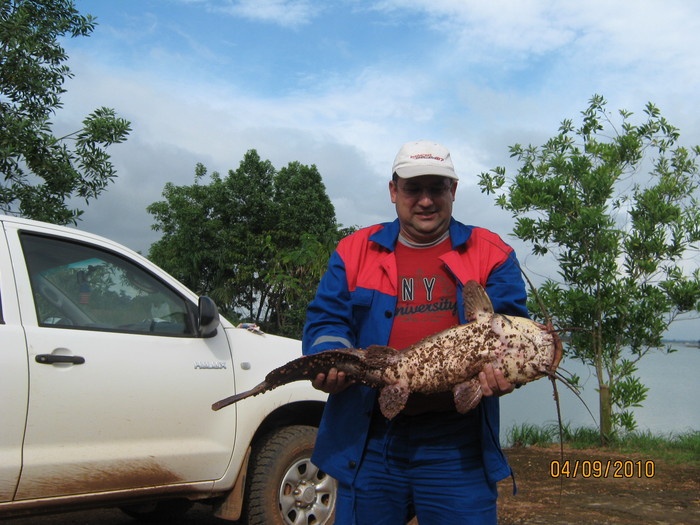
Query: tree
(40,172)
(619,239)
(305,236)
(256,241)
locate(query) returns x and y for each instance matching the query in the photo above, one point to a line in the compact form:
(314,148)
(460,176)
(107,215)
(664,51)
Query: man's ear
(393,189)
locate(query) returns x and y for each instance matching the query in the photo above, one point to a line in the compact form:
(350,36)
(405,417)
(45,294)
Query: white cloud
(286,13)
(595,35)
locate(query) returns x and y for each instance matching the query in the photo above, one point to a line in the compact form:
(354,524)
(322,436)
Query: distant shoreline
(692,344)
(685,342)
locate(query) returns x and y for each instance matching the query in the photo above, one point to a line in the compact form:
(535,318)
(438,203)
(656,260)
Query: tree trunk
(605,414)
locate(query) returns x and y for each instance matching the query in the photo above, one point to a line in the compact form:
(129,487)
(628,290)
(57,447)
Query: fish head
(528,350)
(558,348)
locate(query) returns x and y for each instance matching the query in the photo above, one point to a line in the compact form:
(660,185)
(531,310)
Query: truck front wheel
(283,486)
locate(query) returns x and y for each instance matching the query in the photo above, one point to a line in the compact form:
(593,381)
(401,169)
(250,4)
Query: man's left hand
(493,383)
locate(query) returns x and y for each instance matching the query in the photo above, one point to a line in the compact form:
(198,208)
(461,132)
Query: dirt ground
(670,496)
(583,493)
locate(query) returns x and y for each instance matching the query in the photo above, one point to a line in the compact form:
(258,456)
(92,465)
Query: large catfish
(447,361)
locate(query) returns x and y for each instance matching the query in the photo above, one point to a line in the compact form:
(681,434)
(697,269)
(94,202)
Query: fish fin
(467,395)
(392,399)
(378,356)
(476,301)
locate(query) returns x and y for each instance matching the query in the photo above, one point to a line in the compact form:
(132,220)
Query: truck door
(120,385)
(13,379)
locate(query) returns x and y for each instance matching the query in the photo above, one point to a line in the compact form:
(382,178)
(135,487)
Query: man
(393,284)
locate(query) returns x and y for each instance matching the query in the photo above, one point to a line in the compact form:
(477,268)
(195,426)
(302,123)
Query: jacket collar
(388,234)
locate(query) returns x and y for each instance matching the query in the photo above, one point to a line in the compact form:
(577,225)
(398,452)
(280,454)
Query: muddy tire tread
(265,467)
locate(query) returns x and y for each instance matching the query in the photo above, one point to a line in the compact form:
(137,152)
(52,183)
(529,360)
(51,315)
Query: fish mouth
(556,343)
(558,351)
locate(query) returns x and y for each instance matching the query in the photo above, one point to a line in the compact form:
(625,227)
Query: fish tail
(259,389)
(309,366)
(305,367)
(300,368)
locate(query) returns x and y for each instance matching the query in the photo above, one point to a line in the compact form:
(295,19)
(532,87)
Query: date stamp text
(606,468)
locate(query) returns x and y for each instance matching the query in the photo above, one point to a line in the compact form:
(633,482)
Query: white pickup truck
(108,370)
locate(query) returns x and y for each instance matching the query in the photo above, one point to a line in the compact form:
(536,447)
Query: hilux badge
(209,365)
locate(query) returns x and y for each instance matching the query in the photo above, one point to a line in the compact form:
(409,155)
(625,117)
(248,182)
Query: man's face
(423,206)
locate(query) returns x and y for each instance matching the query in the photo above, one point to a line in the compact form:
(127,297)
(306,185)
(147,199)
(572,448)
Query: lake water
(672,404)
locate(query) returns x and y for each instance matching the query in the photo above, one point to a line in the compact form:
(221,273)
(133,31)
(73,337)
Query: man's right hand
(333,382)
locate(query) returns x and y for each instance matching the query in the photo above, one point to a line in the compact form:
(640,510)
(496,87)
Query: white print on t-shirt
(408,291)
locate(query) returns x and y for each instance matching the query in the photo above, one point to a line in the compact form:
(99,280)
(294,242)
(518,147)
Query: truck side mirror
(208,317)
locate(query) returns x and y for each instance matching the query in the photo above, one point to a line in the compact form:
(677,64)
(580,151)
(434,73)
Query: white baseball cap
(423,158)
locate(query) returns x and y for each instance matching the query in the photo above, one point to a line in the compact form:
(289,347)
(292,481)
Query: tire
(283,487)
(165,511)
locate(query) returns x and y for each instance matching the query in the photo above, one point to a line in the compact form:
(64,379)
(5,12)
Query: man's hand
(493,383)
(332,383)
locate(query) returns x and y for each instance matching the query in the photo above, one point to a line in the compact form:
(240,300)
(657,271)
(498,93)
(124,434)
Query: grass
(526,435)
(674,448)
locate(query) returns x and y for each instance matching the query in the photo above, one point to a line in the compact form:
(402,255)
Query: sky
(341,84)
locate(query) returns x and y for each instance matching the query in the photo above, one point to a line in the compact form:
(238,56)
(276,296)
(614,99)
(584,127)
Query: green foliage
(676,448)
(527,434)
(619,239)
(256,241)
(40,172)
(580,437)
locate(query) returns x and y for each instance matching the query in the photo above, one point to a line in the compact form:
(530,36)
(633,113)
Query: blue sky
(342,84)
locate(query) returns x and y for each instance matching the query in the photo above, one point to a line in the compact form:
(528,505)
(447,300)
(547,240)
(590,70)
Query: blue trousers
(431,463)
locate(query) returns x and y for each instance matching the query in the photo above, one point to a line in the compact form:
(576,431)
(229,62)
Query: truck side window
(84,287)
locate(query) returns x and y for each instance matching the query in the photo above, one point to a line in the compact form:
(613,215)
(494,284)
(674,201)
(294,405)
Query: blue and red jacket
(354,308)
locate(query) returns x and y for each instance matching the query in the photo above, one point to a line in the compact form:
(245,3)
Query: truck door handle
(49,359)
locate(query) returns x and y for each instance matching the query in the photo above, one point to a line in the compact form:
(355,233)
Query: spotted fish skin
(447,361)
(452,360)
